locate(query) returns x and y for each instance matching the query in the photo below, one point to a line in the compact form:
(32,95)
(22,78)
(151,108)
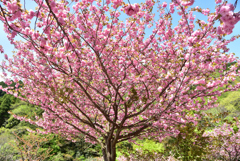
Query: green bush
(7,152)
(190,144)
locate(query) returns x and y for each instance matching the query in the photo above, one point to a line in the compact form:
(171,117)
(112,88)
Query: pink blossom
(132,9)
(117,2)
(228,18)
(220,30)
(31,14)
(228,141)
(159,89)
(1,49)
(186,2)
(171,5)
(164,4)
(206,11)
(6,56)
(230,5)
(224,10)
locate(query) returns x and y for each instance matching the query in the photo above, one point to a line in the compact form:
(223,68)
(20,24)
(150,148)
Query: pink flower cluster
(229,19)
(184,2)
(132,9)
(218,1)
(12,6)
(164,4)
(116,3)
(31,14)
(225,141)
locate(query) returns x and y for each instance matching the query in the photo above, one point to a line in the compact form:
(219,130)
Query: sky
(234,46)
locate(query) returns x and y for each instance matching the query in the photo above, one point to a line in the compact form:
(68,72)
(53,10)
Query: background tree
(7,152)
(5,104)
(2,93)
(30,148)
(96,75)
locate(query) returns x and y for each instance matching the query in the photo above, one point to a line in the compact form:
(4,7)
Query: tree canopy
(97,75)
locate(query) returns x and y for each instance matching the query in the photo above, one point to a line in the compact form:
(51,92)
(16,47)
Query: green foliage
(22,108)
(150,145)
(124,148)
(235,129)
(7,152)
(11,122)
(231,102)
(61,149)
(5,135)
(66,150)
(29,147)
(190,144)
(53,143)
(6,102)
(2,93)
(229,106)
(143,149)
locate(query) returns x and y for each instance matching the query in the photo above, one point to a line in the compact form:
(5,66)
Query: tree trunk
(109,151)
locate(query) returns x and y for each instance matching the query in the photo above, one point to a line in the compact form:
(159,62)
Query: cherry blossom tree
(100,75)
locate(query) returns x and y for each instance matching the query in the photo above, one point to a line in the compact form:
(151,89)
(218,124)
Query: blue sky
(234,46)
